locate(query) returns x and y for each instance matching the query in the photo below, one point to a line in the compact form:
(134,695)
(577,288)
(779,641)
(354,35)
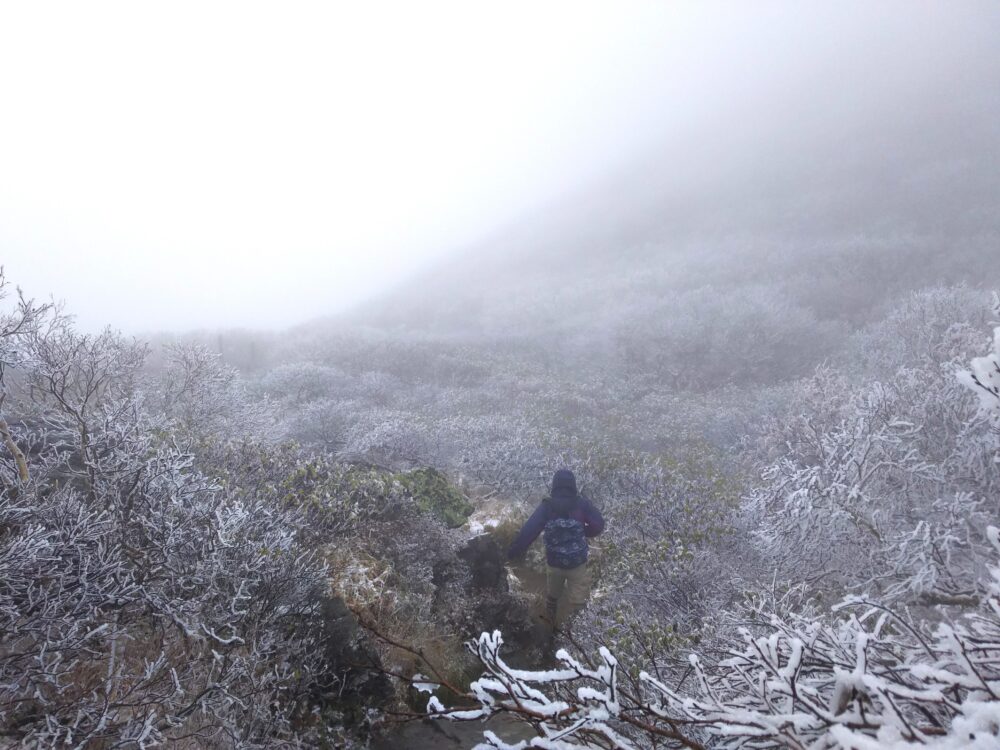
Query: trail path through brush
(431,734)
(443,734)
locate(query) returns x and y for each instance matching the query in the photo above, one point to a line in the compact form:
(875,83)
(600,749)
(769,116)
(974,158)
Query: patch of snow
(423,683)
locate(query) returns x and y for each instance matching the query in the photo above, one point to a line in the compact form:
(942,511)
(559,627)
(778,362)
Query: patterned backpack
(565,543)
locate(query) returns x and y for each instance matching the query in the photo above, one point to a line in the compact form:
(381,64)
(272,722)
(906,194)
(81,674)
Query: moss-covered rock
(433,493)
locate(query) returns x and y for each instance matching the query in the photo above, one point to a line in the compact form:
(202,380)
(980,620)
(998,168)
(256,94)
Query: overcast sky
(203,164)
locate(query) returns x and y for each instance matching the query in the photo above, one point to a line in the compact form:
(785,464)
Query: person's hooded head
(564,494)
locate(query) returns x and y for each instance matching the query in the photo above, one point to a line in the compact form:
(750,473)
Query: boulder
(347,650)
(486,563)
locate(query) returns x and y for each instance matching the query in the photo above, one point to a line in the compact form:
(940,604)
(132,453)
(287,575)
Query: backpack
(565,543)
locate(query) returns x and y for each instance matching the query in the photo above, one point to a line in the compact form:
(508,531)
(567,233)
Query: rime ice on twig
(864,682)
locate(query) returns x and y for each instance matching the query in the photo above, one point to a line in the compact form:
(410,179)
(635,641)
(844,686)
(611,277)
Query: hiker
(567,519)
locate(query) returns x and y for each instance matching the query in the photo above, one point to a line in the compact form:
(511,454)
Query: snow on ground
(491,514)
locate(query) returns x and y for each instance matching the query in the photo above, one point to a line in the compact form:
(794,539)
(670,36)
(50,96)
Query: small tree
(984,379)
(15,326)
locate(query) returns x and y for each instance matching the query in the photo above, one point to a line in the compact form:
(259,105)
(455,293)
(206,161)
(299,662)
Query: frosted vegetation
(241,540)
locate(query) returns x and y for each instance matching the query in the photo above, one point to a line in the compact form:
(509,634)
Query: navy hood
(564,492)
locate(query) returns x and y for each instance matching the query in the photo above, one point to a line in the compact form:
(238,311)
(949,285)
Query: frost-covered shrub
(300,382)
(23,321)
(151,605)
(322,424)
(924,329)
(707,337)
(393,439)
(984,379)
(868,680)
(141,600)
(882,487)
(206,397)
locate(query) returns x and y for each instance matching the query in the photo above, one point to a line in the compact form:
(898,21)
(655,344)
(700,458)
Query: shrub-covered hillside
(204,557)
(171,573)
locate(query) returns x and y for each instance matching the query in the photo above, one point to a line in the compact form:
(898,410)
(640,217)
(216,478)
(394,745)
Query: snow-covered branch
(869,680)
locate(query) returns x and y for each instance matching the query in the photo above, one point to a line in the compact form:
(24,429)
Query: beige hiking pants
(567,591)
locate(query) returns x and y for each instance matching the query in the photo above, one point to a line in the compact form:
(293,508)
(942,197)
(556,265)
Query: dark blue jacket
(578,507)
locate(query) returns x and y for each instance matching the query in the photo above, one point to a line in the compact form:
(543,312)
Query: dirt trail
(442,734)
(432,734)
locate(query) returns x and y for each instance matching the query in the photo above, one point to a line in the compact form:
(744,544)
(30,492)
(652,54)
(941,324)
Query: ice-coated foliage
(984,379)
(868,680)
(142,601)
(205,397)
(882,487)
